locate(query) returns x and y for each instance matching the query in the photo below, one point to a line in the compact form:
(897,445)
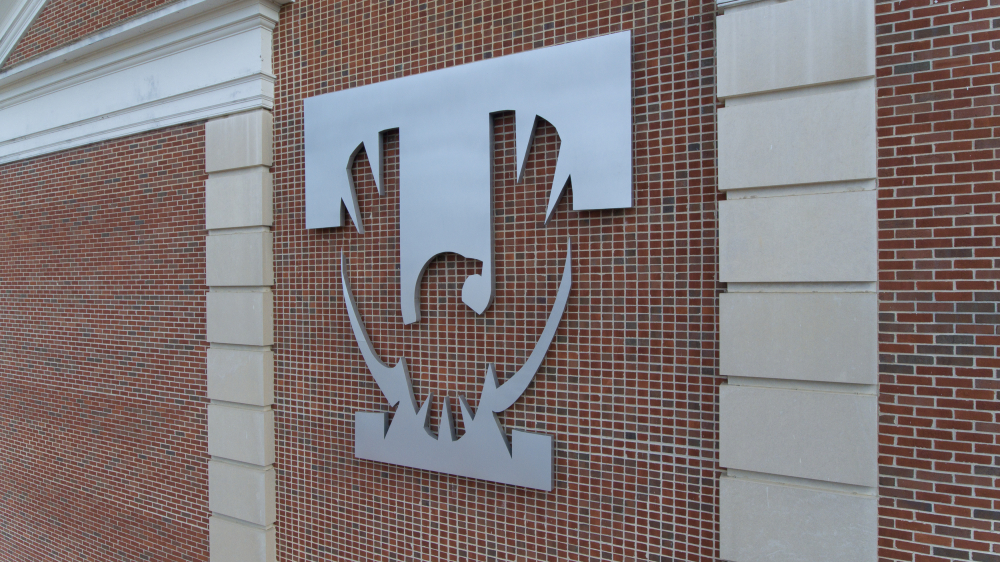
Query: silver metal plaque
(445,143)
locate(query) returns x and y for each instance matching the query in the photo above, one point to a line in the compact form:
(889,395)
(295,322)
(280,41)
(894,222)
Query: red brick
(949,202)
(102,374)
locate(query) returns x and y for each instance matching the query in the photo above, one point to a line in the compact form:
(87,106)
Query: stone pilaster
(798,249)
(240,274)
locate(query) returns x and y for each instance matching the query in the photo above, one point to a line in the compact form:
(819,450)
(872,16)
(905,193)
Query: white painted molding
(188,61)
(15,19)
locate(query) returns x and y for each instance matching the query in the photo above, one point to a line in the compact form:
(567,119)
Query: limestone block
(774,46)
(238,141)
(242,376)
(233,541)
(795,138)
(241,433)
(241,259)
(826,436)
(802,238)
(767,522)
(828,337)
(242,491)
(240,317)
(239,198)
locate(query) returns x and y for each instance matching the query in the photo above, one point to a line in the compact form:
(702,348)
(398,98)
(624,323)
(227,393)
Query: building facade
(783,347)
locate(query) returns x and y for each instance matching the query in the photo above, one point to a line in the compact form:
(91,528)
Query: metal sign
(446,205)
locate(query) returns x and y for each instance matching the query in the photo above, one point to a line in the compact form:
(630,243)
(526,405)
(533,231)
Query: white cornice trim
(190,60)
(16,24)
(105,40)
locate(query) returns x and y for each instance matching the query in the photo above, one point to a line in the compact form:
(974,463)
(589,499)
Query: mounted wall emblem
(444,120)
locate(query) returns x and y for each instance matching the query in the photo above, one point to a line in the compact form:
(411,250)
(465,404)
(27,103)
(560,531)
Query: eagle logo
(443,120)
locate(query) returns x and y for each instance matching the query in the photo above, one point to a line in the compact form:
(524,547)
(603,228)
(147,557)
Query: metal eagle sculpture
(445,145)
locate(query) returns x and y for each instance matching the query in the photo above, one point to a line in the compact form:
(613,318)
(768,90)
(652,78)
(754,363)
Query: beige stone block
(780,45)
(827,436)
(242,491)
(239,198)
(241,376)
(238,141)
(827,337)
(240,317)
(240,259)
(768,522)
(831,237)
(241,433)
(796,138)
(234,541)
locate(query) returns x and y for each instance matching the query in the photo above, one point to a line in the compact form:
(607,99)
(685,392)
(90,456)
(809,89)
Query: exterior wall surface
(103,452)
(785,350)
(939,200)
(628,389)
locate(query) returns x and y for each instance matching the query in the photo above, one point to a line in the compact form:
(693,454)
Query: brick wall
(628,389)
(102,372)
(939,121)
(103,454)
(64,21)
